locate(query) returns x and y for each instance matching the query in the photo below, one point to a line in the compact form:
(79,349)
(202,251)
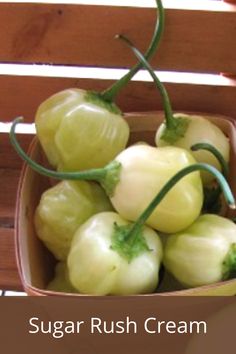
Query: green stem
(170,120)
(212,202)
(111,93)
(94,174)
(216,153)
(135,230)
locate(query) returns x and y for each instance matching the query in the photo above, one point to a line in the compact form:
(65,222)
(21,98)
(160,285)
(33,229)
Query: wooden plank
(22,95)
(9,278)
(195,39)
(9,181)
(8,157)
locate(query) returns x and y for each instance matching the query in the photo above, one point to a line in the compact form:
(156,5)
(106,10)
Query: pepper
(184,130)
(204,253)
(63,208)
(134,178)
(81,129)
(199,130)
(144,172)
(96,268)
(110,256)
(61,281)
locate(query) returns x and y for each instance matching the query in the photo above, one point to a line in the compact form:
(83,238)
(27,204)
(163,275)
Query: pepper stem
(108,176)
(170,121)
(212,203)
(111,93)
(216,153)
(135,230)
(175,127)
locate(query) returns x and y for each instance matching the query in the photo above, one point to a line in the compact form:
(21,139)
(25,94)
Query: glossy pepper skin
(79,131)
(95,268)
(63,208)
(204,253)
(199,130)
(144,172)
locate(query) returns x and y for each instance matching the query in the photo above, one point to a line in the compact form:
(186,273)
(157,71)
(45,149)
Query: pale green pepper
(78,132)
(81,129)
(61,281)
(63,208)
(184,130)
(110,256)
(96,268)
(204,253)
(199,129)
(144,172)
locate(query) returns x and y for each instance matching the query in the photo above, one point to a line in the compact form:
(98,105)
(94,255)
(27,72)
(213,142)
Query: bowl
(36,264)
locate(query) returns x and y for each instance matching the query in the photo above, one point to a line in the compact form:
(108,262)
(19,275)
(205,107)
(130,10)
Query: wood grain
(22,95)
(9,180)
(194,39)
(8,157)
(9,277)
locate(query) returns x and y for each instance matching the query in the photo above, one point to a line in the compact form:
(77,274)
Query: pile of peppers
(120,212)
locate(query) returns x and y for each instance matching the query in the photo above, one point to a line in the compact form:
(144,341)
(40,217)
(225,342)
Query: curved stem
(93,174)
(111,93)
(170,121)
(131,236)
(216,153)
(212,202)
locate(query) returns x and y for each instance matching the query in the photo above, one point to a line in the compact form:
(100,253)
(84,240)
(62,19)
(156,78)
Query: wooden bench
(198,38)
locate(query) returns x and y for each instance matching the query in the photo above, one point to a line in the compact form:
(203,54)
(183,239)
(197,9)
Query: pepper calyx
(111,177)
(97,99)
(175,131)
(120,242)
(229,264)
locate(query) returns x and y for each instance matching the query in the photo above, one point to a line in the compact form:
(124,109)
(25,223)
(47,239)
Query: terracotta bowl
(36,264)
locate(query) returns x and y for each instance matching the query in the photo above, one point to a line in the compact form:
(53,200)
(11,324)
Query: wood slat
(9,180)
(194,39)
(8,157)
(9,277)
(22,95)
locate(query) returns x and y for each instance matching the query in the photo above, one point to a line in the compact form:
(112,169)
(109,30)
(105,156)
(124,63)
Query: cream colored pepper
(144,172)
(78,132)
(96,268)
(199,130)
(204,253)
